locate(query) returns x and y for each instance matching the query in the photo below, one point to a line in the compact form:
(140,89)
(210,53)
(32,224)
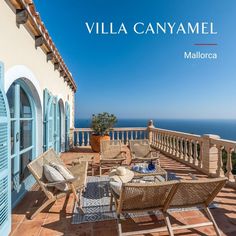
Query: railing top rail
(223,142)
(178,133)
(114,129)
(82,129)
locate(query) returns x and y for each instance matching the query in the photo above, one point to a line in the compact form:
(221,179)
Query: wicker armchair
(141,151)
(146,197)
(111,154)
(77,184)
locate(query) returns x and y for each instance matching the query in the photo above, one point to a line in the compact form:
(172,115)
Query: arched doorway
(23,139)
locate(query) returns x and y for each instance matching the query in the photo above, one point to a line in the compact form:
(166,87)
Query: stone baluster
(229,166)
(220,172)
(181,149)
(77,139)
(112,135)
(155,139)
(136,134)
(82,138)
(127,137)
(186,149)
(200,155)
(118,135)
(177,147)
(88,138)
(190,152)
(164,142)
(173,146)
(140,134)
(167,143)
(195,153)
(122,137)
(131,135)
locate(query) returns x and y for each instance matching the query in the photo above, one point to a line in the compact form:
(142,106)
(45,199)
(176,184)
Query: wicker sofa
(146,197)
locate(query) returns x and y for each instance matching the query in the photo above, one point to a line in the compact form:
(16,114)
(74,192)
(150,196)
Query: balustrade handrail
(177,133)
(115,129)
(223,142)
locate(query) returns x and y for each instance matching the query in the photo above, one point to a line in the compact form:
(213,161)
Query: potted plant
(101,124)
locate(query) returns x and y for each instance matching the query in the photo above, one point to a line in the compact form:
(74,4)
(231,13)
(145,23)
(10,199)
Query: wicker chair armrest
(112,159)
(67,181)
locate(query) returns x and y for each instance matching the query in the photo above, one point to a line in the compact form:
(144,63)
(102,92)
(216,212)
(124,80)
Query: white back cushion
(62,170)
(52,175)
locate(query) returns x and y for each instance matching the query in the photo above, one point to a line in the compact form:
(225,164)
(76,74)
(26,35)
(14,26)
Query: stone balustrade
(184,147)
(207,153)
(82,135)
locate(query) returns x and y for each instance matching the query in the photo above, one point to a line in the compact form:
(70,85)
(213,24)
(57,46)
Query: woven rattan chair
(51,194)
(141,151)
(146,197)
(111,154)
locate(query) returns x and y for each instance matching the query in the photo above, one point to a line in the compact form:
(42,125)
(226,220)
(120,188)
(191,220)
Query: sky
(146,76)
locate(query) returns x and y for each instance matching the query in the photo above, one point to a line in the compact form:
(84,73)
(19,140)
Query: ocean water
(226,129)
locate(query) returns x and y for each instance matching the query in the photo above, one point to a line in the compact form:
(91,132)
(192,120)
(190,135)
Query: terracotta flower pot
(95,141)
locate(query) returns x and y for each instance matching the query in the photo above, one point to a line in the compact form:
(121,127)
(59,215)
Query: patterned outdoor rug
(96,202)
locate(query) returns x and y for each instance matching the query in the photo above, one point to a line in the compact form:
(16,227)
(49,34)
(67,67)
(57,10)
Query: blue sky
(146,76)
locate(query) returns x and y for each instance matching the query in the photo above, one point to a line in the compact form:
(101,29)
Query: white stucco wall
(17,51)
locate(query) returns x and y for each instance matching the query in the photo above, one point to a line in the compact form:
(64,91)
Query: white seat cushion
(52,175)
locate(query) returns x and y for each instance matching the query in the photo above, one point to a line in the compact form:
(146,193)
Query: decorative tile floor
(56,220)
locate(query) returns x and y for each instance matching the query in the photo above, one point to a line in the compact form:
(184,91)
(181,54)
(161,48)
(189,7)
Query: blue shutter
(57,126)
(49,112)
(5,169)
(67,138)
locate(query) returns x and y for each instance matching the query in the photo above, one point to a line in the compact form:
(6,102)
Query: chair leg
(100,171)
(44,205)
(111,202)
(168,224)
(210,216)
(119,228)
(77,199)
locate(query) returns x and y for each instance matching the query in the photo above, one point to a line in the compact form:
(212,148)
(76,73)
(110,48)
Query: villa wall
(27,71)
(17,48)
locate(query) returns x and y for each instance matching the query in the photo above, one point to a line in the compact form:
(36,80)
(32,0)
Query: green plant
(102,123)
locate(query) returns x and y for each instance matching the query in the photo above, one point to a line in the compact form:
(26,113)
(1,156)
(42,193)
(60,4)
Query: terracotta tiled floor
(56,220)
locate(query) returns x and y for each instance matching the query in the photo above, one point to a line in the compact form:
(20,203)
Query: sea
(226,129)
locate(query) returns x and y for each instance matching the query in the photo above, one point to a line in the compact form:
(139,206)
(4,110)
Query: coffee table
(158,172)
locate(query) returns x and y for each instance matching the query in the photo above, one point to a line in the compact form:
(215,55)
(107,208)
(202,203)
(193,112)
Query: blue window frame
(22,118)
(5,164)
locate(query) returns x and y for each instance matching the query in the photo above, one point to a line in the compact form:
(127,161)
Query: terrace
(181,153)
